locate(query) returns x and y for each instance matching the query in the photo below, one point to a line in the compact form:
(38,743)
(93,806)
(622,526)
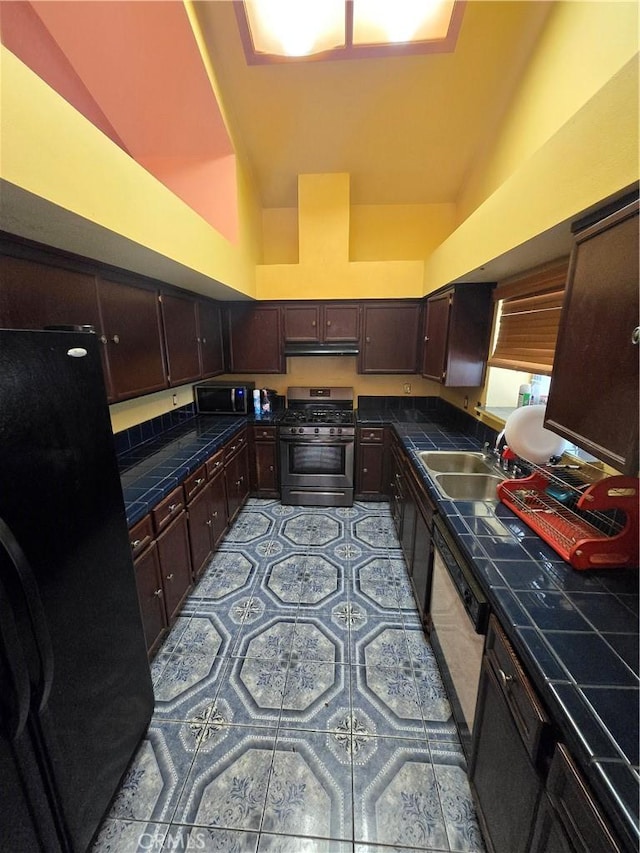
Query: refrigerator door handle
(15,698)
(35,609)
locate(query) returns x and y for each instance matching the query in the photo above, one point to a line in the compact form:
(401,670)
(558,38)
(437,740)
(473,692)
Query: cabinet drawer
(141,535)
(235,446)
(264,433)
(371,435)
(215,464)
(194,483)
(168,509)
(528,714)
(576,808)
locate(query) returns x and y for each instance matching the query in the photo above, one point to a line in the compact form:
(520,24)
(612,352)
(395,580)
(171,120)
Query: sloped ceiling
(405,128)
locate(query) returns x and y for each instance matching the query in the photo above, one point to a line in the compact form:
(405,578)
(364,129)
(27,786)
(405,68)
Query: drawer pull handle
(173,507)
(158,593)
(215,514)
(209,522)
(505,679)
(136,543)
(170,577)
(199,480)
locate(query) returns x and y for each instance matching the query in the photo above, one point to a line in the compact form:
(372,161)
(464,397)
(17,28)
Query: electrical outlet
(466,403)
(407,387)
(175,399)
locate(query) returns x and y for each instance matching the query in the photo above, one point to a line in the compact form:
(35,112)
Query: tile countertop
(575,631)
(152,469)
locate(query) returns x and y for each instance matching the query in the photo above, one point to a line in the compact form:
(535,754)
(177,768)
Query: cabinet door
(593,400)
(218,506)
(436,330)
(133,340)
(266,467)
(254,339)
(422,563)
(199,512)
(210,334)
(369,470)
(180,321)
(175,564)
(341,322)
(151,597)
(390,342)
(469,335)
(237,477)
(302,323)
(505,784)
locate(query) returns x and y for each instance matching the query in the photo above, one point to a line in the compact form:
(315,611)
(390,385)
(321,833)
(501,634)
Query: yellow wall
(318,370)
(49,149)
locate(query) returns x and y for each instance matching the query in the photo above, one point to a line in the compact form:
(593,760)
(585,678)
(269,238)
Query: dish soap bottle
(524,394)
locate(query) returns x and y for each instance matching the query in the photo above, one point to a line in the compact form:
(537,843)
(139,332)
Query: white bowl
(526,436)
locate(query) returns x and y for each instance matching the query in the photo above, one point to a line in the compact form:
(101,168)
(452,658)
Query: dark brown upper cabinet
(254,339)
(389,341)
(132,336)
(457,329)
(210,335)
(180,323)
(593,400)
(321,322)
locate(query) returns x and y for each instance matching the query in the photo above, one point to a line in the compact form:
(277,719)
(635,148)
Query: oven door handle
(313,439)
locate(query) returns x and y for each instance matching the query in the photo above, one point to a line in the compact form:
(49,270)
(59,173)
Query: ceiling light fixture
(293,30)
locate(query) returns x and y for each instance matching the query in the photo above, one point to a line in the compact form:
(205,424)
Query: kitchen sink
(455,462)
(468,487)
(462,475)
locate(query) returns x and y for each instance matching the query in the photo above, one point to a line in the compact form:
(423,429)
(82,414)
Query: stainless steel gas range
(316,441)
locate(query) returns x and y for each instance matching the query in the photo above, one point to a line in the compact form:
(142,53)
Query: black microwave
(222,398)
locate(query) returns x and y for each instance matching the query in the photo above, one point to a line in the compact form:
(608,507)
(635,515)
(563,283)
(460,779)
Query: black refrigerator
(75,687)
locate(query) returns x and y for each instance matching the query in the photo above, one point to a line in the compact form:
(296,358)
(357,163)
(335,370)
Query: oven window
(316,459)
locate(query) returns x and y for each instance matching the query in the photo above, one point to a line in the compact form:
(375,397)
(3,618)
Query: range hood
(321,349)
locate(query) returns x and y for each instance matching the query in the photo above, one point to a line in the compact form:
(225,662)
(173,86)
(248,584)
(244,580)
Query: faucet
(493,454)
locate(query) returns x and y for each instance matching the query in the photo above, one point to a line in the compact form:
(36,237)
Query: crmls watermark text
(176,840)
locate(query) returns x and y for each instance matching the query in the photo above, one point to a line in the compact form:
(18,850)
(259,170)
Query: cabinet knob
(204,340)
(635,336)
(313,323)
(208,522)
(365,470)
(170,577)
(426,339)
(215,514)
(158,593)
(199,480)
(173,507)
(328,322)
(368,339)
(103,339)
(271,467)
(116,339)
(135,543)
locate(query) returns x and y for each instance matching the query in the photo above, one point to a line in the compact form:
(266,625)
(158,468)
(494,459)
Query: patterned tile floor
(299,708)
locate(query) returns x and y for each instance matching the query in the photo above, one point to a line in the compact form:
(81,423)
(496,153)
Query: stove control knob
(316,430)
(339,430)
(331,431)
(301,429)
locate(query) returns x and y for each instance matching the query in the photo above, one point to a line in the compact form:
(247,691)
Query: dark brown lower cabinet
(236,471)
(175,564)
(370,464)
(509,741)
(265,461)
(218,507)
(569,820)
(422,555)
(200,536)
(151,597)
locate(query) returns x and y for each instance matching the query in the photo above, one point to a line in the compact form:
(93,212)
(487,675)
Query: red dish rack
(591,526)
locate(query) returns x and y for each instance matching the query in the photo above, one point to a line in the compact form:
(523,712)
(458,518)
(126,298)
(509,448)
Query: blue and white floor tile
(299,708)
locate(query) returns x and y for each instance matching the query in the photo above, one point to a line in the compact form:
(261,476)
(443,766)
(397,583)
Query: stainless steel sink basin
(455,462)
(468,487)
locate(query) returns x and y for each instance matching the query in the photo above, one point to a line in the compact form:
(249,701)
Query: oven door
(316,471)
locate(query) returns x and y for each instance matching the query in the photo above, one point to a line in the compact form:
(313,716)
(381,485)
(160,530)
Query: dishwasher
(459,616)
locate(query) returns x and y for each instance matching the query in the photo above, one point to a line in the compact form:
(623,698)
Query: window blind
(529,314)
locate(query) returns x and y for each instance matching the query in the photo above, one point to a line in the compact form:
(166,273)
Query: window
(529,313)
(294,31)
